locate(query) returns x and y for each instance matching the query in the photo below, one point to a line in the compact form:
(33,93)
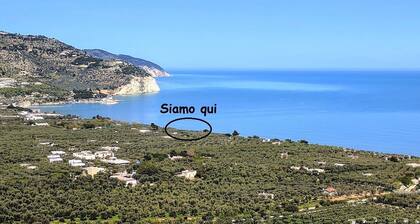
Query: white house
(53,156)
(76,162)
(87,155)
(55,160)
(58,152)
(104,154)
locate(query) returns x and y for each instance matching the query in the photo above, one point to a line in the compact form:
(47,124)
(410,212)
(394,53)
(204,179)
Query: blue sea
(369,110)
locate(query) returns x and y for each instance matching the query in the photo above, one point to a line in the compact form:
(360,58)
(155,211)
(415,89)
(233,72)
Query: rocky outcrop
(138,85)
(155,72)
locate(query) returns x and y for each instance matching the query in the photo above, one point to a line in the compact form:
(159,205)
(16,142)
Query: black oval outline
(188,118)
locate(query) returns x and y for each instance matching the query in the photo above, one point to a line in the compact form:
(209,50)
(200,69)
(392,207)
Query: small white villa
(53,156)
(86,155)
(55,160)
(76,163)
(104,154)
(58,152)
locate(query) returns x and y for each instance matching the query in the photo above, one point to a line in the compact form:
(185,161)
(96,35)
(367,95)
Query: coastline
(397,144)
(106,101)
(262,139)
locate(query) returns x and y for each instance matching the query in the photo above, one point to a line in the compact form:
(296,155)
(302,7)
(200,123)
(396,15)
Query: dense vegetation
(34,90)
(232,172)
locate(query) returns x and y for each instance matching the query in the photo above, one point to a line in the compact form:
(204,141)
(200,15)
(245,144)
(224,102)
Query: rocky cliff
(138,86)
(152,68)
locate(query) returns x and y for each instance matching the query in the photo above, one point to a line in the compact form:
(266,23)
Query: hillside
(154,69)
(37,64)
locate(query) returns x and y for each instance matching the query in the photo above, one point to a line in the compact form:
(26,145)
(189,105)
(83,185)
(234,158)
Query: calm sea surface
(377,111)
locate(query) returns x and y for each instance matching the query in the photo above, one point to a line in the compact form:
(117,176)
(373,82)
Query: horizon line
(296,69)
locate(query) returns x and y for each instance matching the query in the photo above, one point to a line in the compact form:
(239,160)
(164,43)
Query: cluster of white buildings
(316,170)
(36,115)
(106,155)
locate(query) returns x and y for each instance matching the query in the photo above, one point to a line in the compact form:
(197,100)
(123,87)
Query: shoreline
(262,138)
(105,101)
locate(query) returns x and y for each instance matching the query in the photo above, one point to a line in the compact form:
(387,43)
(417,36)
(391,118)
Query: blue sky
(223,34)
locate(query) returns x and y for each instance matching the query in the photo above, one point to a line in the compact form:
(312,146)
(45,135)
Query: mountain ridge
(154,69)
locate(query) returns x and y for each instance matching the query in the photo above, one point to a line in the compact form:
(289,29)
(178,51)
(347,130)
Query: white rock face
(25,103)
(138,85)
(155,72)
